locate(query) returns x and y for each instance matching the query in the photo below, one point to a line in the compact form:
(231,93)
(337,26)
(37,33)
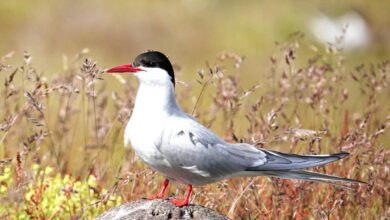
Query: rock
(159,209)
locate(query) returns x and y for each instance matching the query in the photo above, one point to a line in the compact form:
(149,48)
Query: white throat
(154,104)
(155,101)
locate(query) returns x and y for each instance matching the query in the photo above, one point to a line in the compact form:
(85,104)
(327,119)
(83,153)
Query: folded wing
(201,149)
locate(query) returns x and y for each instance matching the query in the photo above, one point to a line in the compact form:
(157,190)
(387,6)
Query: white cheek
(155,76)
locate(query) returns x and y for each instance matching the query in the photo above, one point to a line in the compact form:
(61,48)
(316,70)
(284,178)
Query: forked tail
(291,166)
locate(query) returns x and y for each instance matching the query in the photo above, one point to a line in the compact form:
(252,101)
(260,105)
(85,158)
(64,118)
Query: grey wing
(282,161)
(194,146)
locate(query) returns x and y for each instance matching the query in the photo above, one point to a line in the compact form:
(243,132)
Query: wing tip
(341,155)
(361,182)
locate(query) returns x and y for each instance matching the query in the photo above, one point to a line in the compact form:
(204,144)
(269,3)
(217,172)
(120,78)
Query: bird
(349,31)
(175,144)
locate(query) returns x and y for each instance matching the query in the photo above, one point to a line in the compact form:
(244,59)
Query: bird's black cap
(155,59)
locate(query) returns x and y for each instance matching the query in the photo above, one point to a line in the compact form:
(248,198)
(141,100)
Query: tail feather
(280,161)
(290,166)
(305,175)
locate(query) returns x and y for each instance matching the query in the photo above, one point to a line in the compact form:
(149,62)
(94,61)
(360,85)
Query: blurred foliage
(251,72)
(189,31)
(53,196)
(73,123)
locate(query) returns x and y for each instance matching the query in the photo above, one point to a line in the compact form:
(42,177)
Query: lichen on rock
(159,209)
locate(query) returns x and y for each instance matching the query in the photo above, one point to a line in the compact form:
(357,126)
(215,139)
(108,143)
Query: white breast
(144,139)
(154,113)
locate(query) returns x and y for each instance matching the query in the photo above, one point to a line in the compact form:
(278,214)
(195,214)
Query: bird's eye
(148,63)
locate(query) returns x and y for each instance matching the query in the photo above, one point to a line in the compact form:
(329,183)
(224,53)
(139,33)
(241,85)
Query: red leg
(186,198)
(161,194)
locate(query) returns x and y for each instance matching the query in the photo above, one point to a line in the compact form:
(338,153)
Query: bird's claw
(179,203)
(158,196)
(161,194)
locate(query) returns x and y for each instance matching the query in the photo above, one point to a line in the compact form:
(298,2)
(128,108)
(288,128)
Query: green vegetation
(242,70)
(52,196)
(61,137)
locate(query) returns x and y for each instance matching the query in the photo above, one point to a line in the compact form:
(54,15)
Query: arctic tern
(175,144)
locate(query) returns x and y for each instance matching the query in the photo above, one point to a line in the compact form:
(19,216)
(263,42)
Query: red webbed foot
(184,202)
(161,194)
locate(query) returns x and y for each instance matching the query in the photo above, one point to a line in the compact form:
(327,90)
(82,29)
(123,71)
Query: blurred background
(310,64)
(305,77)
(189,31)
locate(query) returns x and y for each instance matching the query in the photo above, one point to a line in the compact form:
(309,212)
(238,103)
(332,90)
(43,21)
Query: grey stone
(159,209)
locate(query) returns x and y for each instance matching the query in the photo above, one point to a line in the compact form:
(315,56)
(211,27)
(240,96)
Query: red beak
(126,68)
